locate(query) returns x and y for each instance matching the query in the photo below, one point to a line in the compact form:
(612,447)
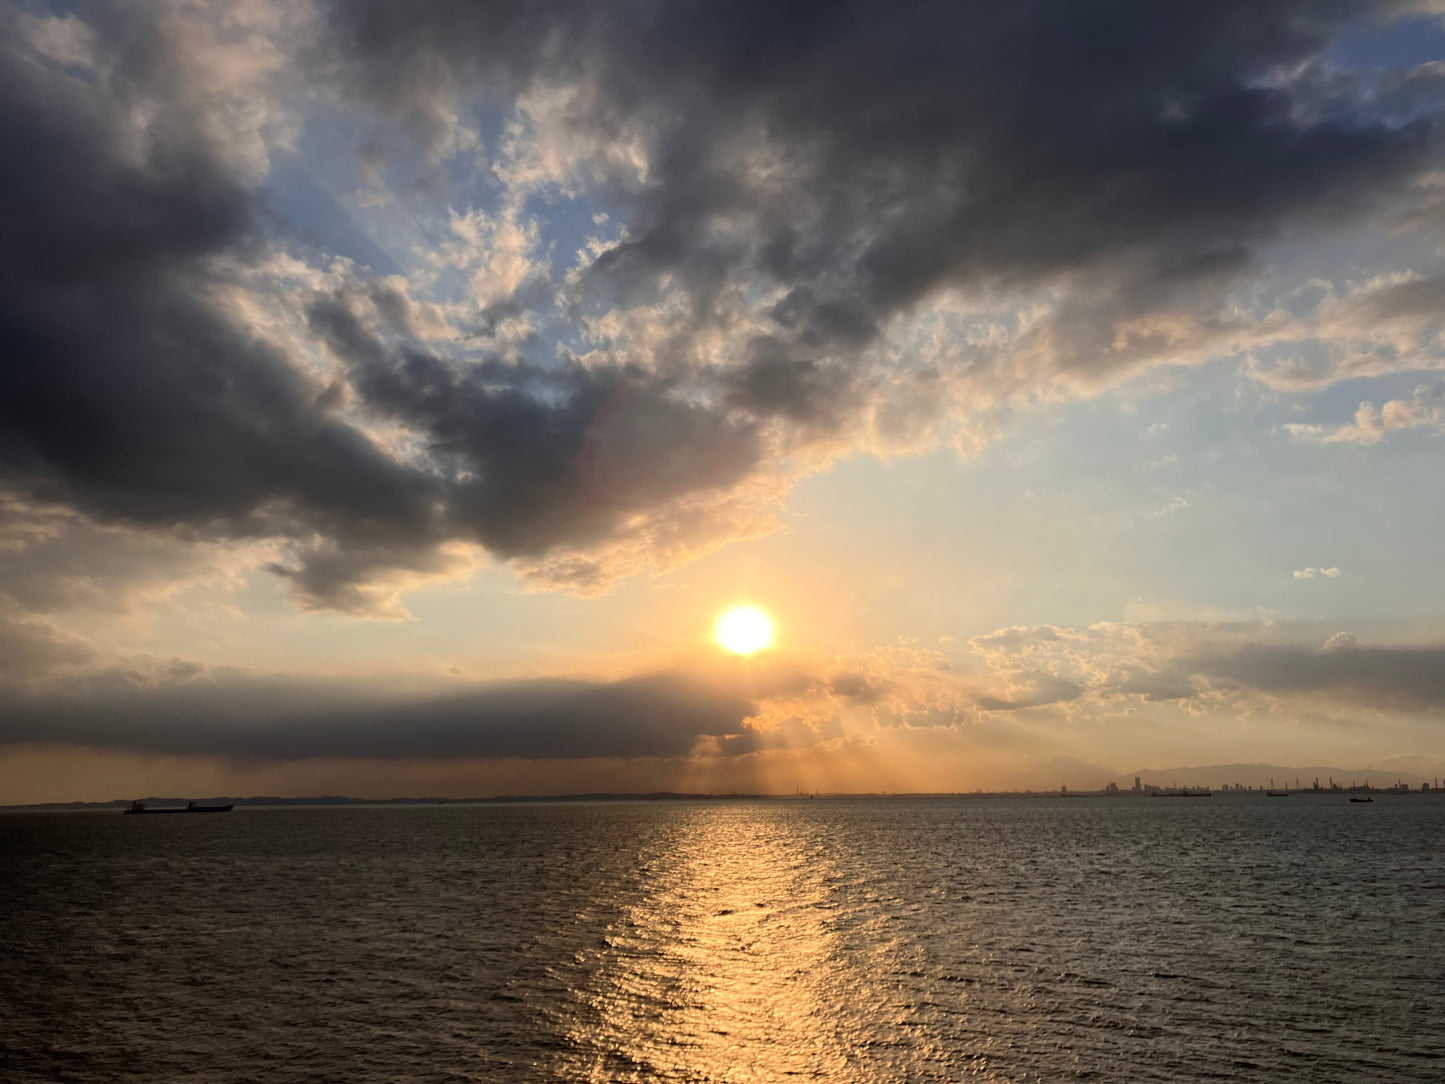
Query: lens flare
(743,630)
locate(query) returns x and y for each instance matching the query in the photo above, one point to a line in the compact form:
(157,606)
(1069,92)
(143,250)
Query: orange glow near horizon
(743,630)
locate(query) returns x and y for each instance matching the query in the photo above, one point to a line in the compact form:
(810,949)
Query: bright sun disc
(743,630)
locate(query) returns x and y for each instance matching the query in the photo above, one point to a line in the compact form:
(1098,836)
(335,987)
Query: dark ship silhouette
(138,806)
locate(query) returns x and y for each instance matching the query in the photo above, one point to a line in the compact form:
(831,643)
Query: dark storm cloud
(905,148)
(922,145)
(240,715)
(122,390)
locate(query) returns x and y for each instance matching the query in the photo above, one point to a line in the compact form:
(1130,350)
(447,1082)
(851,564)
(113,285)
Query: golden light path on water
(734,966)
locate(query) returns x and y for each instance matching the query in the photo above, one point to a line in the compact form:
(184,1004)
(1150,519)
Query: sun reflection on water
(732,966)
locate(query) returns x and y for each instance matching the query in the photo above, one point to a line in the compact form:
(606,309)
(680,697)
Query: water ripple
(848,940)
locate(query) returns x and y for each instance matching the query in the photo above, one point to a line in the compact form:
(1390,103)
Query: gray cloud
(943,146)
(30,648)
(1389,678)
(1040,690)
(180,709)
(1103,666)
(533,457)
(54,559)
(123,391)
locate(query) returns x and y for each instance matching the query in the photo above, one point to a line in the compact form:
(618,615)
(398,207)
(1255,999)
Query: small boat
(1362,799)
(138,806)
(1276,794)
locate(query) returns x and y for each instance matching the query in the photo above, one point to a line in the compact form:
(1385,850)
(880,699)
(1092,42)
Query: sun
(743,630)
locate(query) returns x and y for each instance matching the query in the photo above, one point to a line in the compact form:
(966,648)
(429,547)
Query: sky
(392,396)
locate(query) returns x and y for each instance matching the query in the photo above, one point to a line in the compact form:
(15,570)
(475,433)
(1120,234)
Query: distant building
(1137,786)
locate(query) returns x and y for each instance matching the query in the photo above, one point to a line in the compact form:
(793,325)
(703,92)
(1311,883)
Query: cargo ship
(138,806)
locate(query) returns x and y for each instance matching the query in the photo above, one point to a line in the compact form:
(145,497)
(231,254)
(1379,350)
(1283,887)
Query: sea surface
(1127,939)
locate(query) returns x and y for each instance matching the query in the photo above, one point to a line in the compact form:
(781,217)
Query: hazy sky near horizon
(392,395)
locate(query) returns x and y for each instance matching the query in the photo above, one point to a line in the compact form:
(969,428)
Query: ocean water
(849,940)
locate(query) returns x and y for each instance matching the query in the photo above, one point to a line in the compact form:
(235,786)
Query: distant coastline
(339,801)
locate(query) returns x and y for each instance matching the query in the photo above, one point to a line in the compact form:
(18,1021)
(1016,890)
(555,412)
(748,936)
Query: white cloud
(1390,323)
(1340,641)
(1176,504)
(498,250)
(66,40)
(1424,409)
